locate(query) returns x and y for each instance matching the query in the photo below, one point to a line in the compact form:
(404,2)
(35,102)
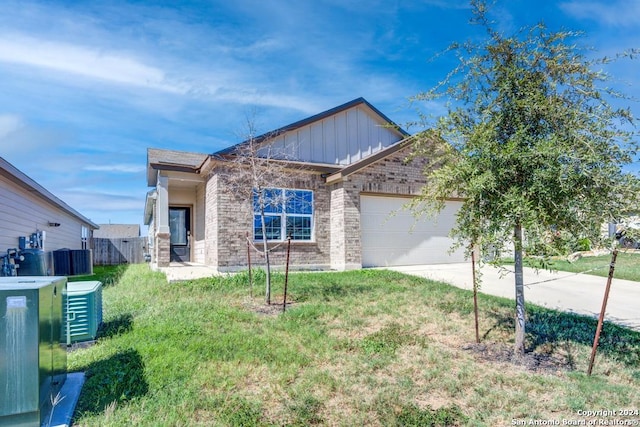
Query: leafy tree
(531,140)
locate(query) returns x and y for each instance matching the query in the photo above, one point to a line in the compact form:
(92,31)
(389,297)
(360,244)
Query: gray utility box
(33,357)
(83,311)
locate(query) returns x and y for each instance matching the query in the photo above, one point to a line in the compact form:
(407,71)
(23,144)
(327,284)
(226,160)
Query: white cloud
(267,99)
(9,124)
(616,13)
(84,61)
(116,167)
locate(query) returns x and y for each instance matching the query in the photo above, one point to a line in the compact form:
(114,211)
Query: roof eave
(361,164)
(149,202)
(31,185)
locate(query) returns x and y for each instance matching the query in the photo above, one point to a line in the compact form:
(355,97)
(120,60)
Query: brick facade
(223,215)
(336,244)
(211,220)
(162,249)
(393,176)
(233,220)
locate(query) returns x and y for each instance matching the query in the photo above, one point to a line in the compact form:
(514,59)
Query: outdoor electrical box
(33,358)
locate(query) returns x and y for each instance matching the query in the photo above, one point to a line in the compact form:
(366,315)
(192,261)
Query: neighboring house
(117,231)
(27,208)
(355,179)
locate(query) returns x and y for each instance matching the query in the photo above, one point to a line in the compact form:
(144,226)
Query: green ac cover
(83,311)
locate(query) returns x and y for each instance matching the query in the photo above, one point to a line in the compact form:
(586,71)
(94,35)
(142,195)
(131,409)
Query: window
(286,213)
(84,237)
(178,226)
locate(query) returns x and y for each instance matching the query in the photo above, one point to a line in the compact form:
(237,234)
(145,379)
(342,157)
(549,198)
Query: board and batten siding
(22,213)
(341,139)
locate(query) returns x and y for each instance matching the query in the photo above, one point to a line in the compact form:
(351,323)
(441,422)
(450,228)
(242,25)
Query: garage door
(391,236)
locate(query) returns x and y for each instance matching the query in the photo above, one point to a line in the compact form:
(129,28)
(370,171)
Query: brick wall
(336,245)
(345,226)
(234,219)
(211,221)
(163,249)
(389,176)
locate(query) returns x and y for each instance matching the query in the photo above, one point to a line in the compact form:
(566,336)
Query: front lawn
(357,348)
(627,265)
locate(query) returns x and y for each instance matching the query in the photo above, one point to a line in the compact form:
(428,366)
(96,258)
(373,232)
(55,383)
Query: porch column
(345,229)
(163,233)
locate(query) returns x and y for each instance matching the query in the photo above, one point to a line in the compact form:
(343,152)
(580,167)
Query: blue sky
(86,87)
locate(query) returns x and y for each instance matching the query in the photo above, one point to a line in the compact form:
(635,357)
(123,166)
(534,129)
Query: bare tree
(260,169)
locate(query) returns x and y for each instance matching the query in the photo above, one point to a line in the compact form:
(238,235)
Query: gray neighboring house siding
(351,150)
(27,207)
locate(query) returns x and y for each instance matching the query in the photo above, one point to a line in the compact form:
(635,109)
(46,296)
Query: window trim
(284,215)
(84,237)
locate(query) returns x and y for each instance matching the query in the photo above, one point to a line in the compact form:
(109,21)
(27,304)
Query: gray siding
(341,139)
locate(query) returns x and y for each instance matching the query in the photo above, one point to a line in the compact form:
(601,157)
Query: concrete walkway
(578,293)
(187,271)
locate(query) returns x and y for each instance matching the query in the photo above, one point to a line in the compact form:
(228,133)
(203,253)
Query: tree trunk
(519,278)
(265,246)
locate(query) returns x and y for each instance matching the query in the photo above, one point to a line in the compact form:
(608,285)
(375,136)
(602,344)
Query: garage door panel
(392,236)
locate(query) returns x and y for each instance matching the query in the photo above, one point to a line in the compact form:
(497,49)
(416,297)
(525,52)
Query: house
(29,210)
(117,231)
(350,171)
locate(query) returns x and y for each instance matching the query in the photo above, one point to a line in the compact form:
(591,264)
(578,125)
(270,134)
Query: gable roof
(181,161)
(315,118)
(18,177)
(117,231)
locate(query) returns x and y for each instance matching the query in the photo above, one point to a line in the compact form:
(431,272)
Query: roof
(182,161)
(117,231)
(18,177)
(315,118)
(361,164)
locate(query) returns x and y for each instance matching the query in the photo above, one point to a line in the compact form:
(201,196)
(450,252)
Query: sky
(87,86)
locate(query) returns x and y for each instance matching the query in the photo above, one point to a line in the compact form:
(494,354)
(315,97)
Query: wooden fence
(128,250)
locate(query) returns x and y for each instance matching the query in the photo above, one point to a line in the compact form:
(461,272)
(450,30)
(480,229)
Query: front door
(180,227)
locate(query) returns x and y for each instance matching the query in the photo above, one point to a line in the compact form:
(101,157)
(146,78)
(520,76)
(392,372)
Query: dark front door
(180,226)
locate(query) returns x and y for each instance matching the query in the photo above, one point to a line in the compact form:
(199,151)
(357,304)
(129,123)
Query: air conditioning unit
(33,357)
(82,311)
(72,262)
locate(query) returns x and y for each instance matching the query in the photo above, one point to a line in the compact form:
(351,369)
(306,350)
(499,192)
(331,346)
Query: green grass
(108,274)
(627,266)
(356,348)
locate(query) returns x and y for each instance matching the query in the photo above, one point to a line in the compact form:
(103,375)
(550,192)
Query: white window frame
(84,237)
(283,215)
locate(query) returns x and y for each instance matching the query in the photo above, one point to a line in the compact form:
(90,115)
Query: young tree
(531,140)
(258,168)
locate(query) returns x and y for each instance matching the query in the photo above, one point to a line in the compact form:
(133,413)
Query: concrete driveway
(578,293)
